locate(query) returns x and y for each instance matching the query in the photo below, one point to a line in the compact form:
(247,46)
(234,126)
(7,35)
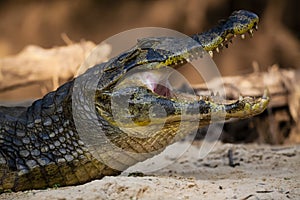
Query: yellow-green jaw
(239,23)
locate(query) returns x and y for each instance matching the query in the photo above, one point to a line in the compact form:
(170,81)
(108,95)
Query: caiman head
(137,108)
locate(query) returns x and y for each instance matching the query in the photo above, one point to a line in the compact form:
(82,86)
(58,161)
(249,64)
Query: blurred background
(43,22)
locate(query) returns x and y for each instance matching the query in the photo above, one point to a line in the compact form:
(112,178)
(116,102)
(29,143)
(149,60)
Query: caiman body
(40,146)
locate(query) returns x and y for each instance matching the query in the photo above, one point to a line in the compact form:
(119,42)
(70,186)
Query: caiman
(40,146)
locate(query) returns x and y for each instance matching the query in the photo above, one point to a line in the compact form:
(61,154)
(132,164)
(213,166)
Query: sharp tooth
(209,98)
(217,50)
(266,94)
(250,32)
(226,39)
(211,53)
(256,27)
(188,60)
(243,36)
(240,98)
(234,35)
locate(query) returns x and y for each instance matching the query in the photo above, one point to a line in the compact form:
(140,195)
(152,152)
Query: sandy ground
(261,172)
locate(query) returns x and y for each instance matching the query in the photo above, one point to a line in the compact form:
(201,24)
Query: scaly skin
(41,147)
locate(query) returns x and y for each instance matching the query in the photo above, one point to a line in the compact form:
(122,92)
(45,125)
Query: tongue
(162,90)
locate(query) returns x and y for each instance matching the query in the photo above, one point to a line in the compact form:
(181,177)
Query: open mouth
(166,82)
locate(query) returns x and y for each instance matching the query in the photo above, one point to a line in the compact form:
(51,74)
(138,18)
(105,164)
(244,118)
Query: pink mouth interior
(162,90)
(157,81)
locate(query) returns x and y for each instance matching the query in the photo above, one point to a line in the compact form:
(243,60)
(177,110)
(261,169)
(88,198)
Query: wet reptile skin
(40,146)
